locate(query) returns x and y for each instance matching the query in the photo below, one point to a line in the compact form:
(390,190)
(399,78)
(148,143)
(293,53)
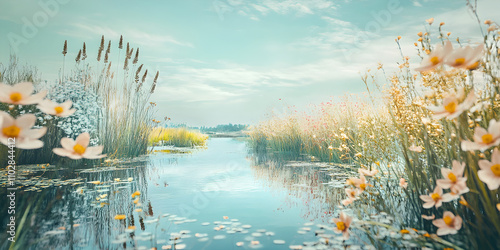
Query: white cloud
(89,31)
(283,7)
(299,7)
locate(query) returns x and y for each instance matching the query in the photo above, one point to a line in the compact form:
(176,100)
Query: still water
(212,198)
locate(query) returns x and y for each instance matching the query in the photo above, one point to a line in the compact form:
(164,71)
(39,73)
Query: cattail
(129,55)
(144,76)
(153,88)
(136,59)
(137,73)
(101,48)
(78,56)
(156,77)
(154,82)
(108,50)
(120,45)
(65,48)
(128,48)
(125,64)
(84,52)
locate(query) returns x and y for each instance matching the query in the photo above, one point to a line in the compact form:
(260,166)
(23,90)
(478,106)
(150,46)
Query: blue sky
(232,60)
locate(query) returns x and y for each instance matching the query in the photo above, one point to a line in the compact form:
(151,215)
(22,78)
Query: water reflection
(319,187)
(215,198)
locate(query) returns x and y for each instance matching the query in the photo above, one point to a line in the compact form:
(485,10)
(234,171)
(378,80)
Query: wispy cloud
(293,6)
(230,81)
(258,8)
(89,31)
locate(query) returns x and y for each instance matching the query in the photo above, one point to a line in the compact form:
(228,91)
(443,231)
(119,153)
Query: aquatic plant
(179,137)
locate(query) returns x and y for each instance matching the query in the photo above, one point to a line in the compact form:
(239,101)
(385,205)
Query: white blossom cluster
(87,105)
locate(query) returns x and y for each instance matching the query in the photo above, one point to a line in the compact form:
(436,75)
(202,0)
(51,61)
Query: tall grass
(387,136)
(125,88)
(345,131)
(179,137)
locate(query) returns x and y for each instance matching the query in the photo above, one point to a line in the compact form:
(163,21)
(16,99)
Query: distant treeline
(224,128)
(221,128)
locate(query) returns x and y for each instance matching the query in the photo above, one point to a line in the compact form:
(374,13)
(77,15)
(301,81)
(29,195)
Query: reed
(402,138)
(127,114)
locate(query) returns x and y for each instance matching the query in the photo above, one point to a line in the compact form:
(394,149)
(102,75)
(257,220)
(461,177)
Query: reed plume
(84,52)
(108,50)
(120,44)
(65,48)
(101,48)
(137,73)
(154,82)
(136,59)
(78,56)
(144,76)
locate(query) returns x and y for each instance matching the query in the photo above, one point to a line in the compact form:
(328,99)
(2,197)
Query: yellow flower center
(79,149)
(341,226)
(448,220)
(12,131)
(473,66)
(496,169)
(58,109)
(451,107)
(362,186)
(435,196)
(487,138)
(452,177)
(15,97)
(459,61)
(435,60)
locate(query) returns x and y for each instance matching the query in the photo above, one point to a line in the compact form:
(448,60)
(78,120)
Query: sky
(235,61)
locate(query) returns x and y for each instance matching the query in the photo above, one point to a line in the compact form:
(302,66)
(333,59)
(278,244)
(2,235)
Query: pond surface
(213,198)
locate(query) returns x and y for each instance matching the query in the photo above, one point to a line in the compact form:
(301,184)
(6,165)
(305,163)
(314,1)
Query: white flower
(490,171)
(436,57)
(452,107)
(484,139)
(20,94)
(58,109)
(454,179)
(79,148)
(352,195)
(449,224)
(20,130)
(466,57)
(343,223)
(436,198)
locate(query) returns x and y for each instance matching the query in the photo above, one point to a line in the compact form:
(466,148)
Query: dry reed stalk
(78,56)
(101,48)
(108,50)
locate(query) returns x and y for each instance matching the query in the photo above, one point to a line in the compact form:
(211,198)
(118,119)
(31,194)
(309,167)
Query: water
(179,193)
